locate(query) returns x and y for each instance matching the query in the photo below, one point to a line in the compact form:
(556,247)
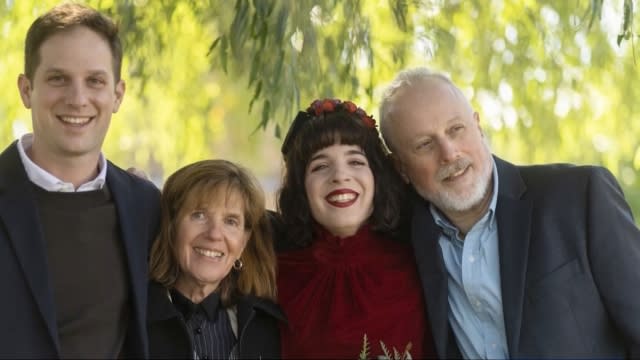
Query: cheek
(183,240)
(424,170)
(312,192)
(239,245)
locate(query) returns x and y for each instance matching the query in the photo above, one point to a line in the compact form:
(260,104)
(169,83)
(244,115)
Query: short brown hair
(201,180)
(62,18)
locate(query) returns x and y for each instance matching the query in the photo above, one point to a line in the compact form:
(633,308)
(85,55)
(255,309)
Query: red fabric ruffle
(336,290)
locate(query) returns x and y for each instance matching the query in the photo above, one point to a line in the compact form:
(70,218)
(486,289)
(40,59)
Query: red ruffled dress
(337,290)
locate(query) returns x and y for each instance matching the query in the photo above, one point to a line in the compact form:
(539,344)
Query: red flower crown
(321,107)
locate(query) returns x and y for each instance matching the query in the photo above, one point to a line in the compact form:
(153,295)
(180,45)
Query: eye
(198,215)
(425,145)
(56,79)
(232,221)
(358,162)
(96,81)
(317,167)
(457,128)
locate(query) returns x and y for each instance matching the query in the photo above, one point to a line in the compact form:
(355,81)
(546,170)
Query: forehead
(220,196)
(428,105)
(78,49)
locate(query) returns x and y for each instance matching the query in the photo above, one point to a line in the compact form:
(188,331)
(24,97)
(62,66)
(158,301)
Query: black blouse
(208,324)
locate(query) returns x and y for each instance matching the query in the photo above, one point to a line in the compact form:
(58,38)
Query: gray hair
(405,79)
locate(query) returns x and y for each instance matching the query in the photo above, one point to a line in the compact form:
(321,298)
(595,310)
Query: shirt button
(198,331)
(472,259)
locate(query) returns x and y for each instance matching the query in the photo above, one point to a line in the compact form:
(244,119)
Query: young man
(515,261)
(75,230)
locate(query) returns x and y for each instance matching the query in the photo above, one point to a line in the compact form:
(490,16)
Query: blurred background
(553,81)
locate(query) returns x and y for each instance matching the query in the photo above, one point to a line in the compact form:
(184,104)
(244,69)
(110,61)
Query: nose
(448,151)
(214,230)
(76,94)
(340,174)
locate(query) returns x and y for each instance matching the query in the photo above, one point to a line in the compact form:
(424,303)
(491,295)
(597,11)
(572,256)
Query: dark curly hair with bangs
(310,133)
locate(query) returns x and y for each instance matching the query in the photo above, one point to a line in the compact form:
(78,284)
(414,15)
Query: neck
(194,292)
(75,170)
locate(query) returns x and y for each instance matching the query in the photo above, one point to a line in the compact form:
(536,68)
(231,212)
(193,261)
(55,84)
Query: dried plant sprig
(364,353)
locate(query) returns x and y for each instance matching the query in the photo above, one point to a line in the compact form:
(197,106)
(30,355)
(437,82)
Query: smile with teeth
(340,198)
(209,253)
(456,174)
(75,120)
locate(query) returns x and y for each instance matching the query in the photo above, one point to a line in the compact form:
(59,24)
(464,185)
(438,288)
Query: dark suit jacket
(258,319)
(569,264)
(27,314)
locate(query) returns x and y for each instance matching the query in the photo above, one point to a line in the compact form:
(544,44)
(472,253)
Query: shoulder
(281,242)
(552,176)
(263,307)
(121,177)
(564,175)
(10,164)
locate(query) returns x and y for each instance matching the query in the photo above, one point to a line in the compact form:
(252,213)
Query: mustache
(448,170)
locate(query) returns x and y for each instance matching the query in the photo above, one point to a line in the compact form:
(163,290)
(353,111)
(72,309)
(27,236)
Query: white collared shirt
(47,181)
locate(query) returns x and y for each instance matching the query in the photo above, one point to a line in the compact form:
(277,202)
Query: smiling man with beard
(515,261)
(75,230)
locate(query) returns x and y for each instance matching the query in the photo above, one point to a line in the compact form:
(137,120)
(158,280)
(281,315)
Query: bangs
(202,194)
(329,130)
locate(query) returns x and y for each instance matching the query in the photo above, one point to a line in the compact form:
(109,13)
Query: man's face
(72,95)
(440,148)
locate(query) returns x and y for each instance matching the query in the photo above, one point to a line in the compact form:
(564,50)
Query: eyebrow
(456,117)
(349,152)
(91,72)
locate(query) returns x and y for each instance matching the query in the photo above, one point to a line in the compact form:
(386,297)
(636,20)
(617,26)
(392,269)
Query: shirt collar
(446,225)
(47,181)
(187,308)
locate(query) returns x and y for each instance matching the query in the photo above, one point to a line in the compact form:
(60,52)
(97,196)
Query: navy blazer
(569,264)
(27,314)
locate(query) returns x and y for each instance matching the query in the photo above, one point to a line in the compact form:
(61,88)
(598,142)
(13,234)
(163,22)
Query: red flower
(319,107)
(351,107)
(368,121)
(328,105)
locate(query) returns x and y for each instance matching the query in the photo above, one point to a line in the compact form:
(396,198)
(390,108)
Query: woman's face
(340,188)
(210,237)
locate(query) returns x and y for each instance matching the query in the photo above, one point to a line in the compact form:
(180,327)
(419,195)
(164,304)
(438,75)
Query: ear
(119,91)
(476,117)
(399,166)
(25,88)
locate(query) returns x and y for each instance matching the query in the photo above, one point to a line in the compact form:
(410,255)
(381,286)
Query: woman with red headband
(342,271)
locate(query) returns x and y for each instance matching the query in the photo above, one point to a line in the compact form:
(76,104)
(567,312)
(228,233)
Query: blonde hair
(203,180)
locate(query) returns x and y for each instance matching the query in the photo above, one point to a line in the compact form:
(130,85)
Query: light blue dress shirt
(474,295)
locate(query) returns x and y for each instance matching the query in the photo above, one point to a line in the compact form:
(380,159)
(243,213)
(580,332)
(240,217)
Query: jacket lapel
(18,213)
(133,242)
(514,223)
(431,268)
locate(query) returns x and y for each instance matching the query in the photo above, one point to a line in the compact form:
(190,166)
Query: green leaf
(256,94)
(213,45)
(223,52)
